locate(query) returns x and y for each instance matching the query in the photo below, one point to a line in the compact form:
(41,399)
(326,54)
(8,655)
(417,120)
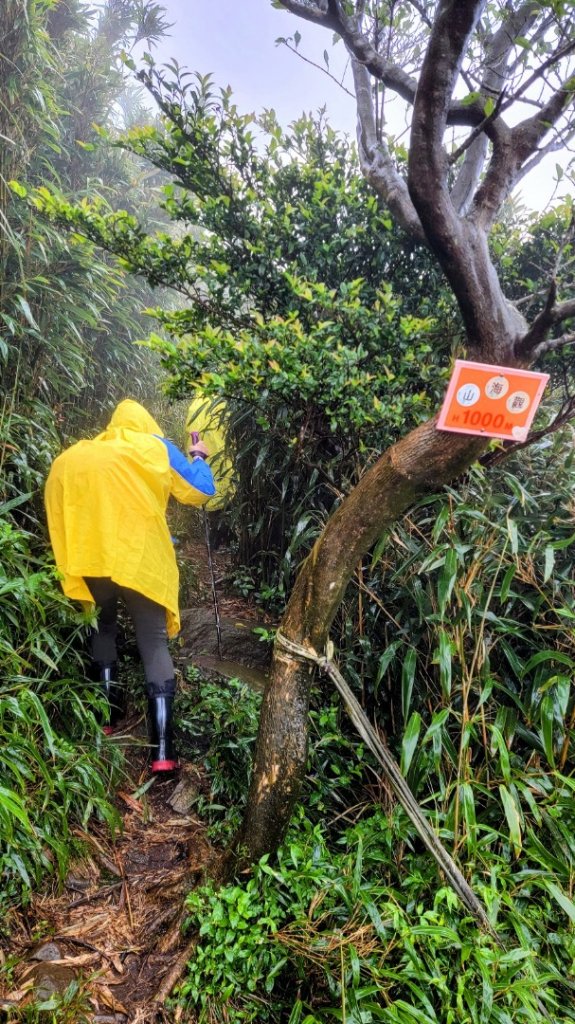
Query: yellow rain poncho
(207,418)
(106,502)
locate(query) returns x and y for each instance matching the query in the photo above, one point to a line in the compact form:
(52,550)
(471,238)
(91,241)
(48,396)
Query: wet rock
(256,678)
(51,978)
(239,642)
(184,795)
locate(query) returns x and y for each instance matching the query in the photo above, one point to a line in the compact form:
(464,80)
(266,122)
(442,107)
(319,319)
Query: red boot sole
(164,766)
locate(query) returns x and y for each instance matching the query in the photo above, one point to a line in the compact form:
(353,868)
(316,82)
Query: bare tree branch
(538,34)
(553,146)
(564,311)
(553,313)
(554,343)
(375,160)
(564,416)
(452,28)
(470,171)
(515,150)
(527,135)
(498,48)
(480,129)
(314,64)
(317,13)
(540,72)
(420,8)
(460,245)
(359,45)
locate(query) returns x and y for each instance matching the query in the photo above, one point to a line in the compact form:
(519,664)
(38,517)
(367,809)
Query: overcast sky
(235,40)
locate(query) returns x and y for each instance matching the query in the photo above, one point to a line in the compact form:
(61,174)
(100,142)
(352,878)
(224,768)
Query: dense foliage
(328,333)
(468,641)
(67,321)
(54,771)
(302,305)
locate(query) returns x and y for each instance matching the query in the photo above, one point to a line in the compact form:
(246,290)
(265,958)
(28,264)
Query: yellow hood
(130,415)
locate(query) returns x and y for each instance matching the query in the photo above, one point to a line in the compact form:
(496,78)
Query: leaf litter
(116,923)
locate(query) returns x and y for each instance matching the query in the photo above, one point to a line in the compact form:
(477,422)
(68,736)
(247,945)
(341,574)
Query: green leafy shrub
(55,772)
(359,934)
(217,723)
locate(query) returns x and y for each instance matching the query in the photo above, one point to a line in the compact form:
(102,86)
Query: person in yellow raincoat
(207,418)
(106,501)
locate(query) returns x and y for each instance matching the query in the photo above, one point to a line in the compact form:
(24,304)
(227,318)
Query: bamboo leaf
(442,657)
(407,680)
(12,804)
(513,535)
(513,818)
(564,902)
(468,806)
(24,306)
(447,579)
(549,562)
(409,741)
(547,719)
(549,654)
(506,582)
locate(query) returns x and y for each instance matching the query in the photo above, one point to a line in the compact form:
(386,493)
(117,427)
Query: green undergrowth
(73,1006)
(362,928)
(352,921)
(462,652)
(54,770)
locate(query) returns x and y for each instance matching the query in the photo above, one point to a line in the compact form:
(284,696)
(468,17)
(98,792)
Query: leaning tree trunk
(421,461)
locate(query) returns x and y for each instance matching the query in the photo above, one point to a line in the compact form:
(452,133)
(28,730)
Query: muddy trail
(115,927)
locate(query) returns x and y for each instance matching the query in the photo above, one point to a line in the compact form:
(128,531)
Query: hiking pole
(214,591)
(195,439)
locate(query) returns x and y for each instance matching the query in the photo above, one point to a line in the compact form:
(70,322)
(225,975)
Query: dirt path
(115,927)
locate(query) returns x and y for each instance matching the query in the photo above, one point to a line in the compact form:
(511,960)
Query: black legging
(149,621)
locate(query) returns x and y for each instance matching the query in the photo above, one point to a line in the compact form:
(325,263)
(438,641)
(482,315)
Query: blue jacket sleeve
(196,475)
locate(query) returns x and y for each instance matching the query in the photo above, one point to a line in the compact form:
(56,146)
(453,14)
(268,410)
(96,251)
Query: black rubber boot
(107,675)
(164,758)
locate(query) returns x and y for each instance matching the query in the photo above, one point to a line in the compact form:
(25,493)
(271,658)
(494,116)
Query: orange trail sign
(496,401)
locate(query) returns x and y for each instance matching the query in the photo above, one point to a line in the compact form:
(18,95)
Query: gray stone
(51,978)
(47,951)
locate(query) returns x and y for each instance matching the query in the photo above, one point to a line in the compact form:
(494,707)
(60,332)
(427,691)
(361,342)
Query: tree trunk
(422,461)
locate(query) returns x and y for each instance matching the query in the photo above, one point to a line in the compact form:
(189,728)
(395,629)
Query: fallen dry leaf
(131,801)
(105,996)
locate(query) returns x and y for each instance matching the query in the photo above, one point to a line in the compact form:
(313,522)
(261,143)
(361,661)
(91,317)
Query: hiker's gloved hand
(198,450)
